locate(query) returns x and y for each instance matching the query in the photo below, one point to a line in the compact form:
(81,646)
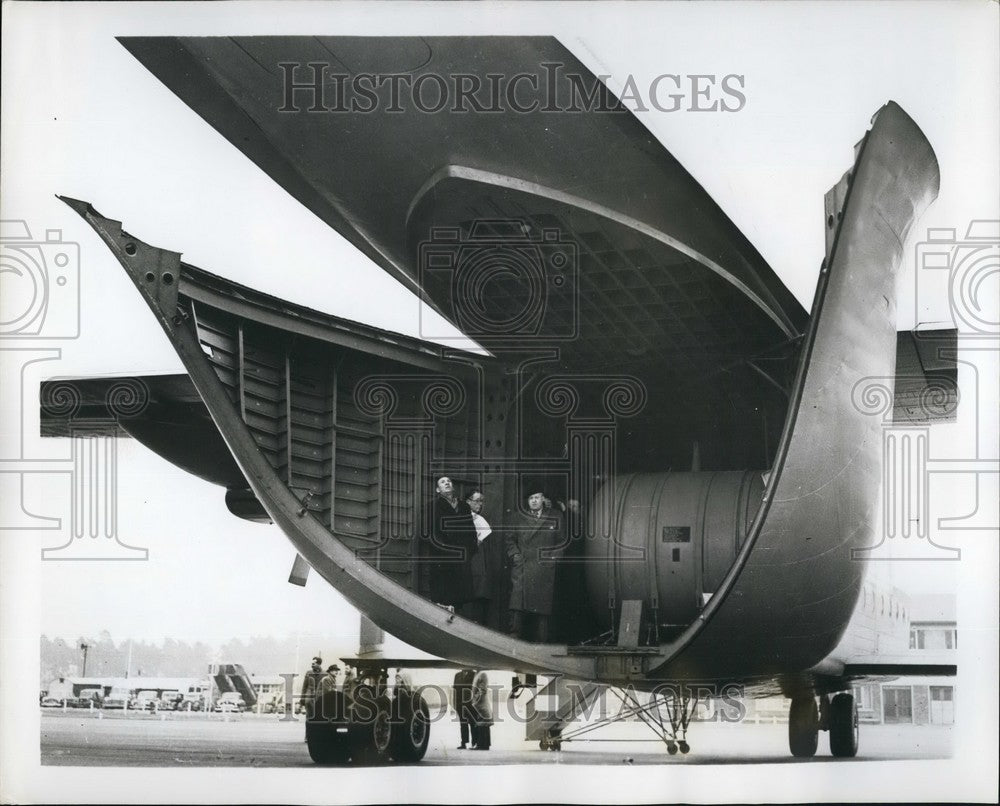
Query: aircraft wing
(921,664)
(924,390)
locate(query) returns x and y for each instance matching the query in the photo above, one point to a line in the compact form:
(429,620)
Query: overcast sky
(83,118)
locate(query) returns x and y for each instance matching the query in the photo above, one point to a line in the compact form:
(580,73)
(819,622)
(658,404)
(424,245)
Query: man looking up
(450,548)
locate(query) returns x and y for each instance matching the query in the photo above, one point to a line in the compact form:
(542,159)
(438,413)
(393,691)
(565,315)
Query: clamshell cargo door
(338,430)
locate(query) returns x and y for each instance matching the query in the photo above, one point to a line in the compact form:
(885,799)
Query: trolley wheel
(803,727)
(685,748)
(411,728)
(843,726)
(672,748)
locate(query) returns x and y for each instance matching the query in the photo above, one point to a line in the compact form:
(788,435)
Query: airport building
(154,693)
(927,700)
(932,631)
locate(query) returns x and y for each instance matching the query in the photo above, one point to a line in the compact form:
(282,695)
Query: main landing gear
(838,715)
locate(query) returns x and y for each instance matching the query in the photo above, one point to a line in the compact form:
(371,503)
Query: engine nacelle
(667,540)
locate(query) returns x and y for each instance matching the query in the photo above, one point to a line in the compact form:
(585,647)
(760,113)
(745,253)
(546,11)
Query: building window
(936,637)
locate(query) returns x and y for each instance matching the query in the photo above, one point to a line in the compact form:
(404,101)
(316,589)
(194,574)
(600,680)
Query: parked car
(144,701)
(115,701)
(80,702)
(171,700)
(231,701)
(51,702)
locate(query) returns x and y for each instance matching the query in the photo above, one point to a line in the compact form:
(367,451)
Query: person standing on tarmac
(329,681)
(461,692)
(481,711)
(310,685)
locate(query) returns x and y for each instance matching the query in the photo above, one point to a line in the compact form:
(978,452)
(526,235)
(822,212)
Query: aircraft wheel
(685,748)
(844,726)
(326,745)
(370,730)
(672,748)
(411,728)
(803,727)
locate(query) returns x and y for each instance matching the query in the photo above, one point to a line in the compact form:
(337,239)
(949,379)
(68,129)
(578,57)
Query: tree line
(265,655)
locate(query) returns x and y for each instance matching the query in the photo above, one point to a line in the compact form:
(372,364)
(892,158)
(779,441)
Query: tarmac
(116,739)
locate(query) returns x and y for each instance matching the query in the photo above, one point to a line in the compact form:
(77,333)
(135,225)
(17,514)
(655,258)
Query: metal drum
(667,540)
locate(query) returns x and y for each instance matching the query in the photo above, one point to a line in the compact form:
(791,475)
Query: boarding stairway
(232,677)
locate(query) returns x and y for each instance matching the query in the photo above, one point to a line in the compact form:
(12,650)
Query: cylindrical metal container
(667,540)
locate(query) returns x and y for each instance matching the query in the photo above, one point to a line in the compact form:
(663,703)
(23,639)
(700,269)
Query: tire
(325,715)
(843,726)
(803,727)
(326,746)
(411,728)
(370,729)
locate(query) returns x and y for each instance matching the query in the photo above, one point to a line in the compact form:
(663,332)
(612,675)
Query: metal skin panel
(788,599)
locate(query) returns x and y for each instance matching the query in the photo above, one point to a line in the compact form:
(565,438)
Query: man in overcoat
(461,701)
(450,549)
(533,548)
(482,712)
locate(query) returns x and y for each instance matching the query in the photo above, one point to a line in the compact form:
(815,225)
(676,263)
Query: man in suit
(480,566)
